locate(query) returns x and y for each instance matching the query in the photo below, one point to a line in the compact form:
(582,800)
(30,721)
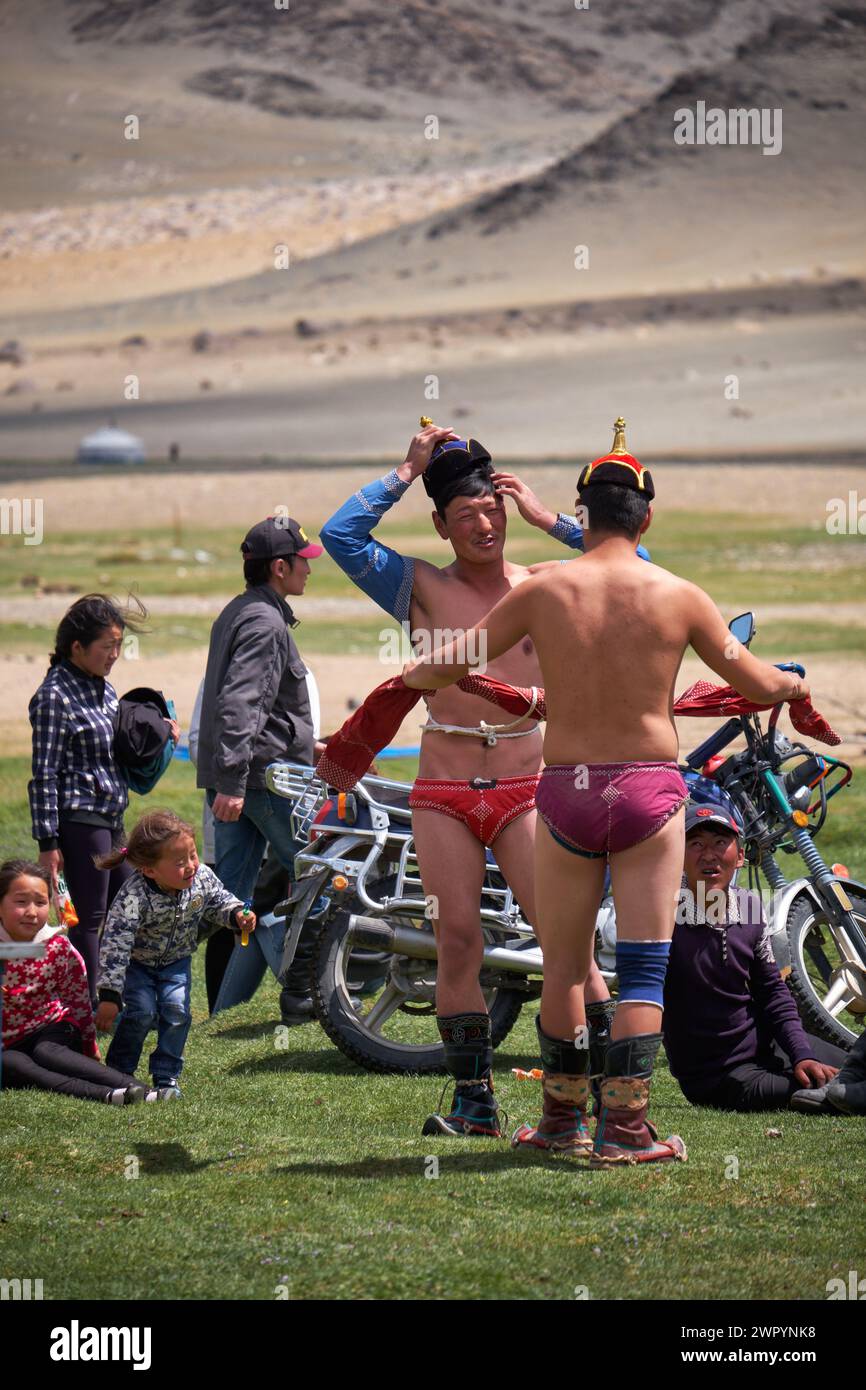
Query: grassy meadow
(290,1169)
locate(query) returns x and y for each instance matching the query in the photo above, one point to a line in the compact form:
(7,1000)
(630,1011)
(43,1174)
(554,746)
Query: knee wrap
(641,966)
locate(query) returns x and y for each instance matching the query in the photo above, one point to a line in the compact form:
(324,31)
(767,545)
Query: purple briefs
(597,809)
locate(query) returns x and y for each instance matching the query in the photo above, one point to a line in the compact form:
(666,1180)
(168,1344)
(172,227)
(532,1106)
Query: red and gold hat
(619,466)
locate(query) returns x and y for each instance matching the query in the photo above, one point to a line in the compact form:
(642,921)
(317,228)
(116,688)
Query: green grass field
(285,1168)
(743,562)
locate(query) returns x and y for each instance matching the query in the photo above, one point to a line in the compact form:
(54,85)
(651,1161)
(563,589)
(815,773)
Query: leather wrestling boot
(599,1021)
(469,1058)
(563,1126)
(623,1133)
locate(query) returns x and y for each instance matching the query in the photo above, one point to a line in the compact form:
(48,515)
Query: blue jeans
(153,994)
(240,846)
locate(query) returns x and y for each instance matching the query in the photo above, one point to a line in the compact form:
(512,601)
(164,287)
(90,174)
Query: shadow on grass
(328,1061)
(410,1167)
(169,1158)
(241,1030)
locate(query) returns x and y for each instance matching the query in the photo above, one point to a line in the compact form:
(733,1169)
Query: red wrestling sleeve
(353,747)
(516,699)
(704,699)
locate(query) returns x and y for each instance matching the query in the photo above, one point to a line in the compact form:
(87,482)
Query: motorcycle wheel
(402,1003)
(816,969)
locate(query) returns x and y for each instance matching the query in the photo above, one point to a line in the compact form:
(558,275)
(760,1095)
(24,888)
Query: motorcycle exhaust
(419,944)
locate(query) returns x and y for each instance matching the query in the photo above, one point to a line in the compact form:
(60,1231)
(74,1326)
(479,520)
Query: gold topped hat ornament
(450,459)
(619,466)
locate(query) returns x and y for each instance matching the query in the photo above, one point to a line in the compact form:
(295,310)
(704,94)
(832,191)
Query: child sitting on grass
(151,931)
(732,1032)
(49,1041)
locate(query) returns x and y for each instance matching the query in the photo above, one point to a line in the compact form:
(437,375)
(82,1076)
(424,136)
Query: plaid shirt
(73,717)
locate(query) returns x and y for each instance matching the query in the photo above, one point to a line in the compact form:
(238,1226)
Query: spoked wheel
(830,992)
(390,1024)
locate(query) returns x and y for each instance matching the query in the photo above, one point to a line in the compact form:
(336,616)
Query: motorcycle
(373,976)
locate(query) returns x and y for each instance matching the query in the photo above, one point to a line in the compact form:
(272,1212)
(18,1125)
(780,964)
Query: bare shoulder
(549,566)
(426,579)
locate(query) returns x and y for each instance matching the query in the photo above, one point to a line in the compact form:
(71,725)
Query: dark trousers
(92,890)
(50,1059)
(765,1084)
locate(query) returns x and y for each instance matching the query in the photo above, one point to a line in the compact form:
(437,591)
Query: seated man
(610,634)
(731,1028)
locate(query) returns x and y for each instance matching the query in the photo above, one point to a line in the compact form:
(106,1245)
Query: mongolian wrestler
(477,779)
(610,634)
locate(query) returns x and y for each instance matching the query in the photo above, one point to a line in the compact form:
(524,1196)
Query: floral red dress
(53,989)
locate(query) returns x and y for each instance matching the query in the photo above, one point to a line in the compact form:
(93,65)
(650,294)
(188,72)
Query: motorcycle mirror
(743,628)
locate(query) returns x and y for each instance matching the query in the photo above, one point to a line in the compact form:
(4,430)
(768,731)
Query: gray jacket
(255,707)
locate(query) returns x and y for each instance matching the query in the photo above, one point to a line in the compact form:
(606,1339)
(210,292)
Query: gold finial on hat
(425,421)
(619,436)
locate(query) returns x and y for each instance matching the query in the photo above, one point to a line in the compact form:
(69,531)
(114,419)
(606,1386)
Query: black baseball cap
(277,538)
(699,813)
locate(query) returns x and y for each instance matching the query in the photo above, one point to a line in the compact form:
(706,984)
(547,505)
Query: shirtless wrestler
(476,785)
(610,634)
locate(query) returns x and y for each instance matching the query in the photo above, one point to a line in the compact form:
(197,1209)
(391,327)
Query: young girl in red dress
(49,1037)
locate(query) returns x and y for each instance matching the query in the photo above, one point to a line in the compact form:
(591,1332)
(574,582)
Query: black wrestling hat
(452,459)
(619,466)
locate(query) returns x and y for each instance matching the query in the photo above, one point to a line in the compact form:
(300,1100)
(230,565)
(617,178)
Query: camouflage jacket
(155,927)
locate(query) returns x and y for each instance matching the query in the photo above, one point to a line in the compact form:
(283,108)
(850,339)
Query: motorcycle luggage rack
(298,783)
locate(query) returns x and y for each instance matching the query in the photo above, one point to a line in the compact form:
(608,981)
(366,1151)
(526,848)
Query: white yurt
(110,445)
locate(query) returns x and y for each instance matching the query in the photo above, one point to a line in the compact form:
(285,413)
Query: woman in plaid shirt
(77,792)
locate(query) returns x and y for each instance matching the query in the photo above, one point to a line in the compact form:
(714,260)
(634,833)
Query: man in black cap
(256,710)
(732,1032)
(477,776)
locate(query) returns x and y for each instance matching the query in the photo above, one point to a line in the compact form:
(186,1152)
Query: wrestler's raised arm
(716,645)
(384,575)
(497,633)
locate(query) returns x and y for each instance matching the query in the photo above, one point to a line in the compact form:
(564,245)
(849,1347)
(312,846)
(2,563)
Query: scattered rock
(305,329)
(202,341)
(12,351)
(134,340)
(205,385)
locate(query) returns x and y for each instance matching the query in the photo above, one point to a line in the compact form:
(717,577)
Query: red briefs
(486,804)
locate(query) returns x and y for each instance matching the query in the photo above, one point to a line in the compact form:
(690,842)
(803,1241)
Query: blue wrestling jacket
(380,572)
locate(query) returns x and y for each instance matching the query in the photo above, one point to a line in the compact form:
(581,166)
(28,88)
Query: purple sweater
(722,1013)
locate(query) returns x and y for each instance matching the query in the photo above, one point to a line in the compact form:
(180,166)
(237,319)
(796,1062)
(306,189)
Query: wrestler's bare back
(610,632)
(610,636)
(442,601)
